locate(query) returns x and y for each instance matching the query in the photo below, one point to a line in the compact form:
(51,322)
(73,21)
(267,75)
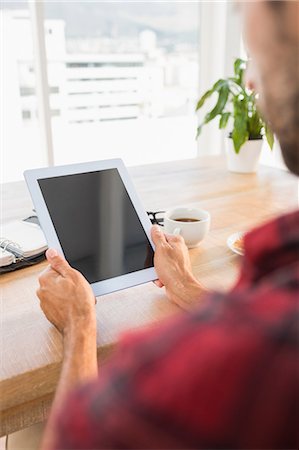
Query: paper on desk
(6,258)
(29,239)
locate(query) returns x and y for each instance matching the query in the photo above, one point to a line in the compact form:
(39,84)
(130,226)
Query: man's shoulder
(199,378)
(204,366)
(224,323)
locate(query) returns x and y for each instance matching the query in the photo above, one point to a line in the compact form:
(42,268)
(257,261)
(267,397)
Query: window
(127,76)
(20,139)
(123,82)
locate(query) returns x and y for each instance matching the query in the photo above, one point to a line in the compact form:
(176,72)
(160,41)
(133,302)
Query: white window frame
(220,44)
(36,8)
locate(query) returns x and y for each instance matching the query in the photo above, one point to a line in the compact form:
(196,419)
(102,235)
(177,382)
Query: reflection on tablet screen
(96,223)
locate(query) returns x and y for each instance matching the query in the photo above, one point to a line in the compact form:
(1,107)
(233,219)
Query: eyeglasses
(154,219)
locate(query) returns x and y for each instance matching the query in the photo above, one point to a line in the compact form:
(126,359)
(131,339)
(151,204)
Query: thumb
(57,262)
(158,235)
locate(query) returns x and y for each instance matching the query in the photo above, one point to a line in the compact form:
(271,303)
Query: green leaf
(269,136)
(255,125)
(203,99)
(239,68)
(240,132)
(198,133)
(219,84)
(220,105)
(224,119)
(215,88)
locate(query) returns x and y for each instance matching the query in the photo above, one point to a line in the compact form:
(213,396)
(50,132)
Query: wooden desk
(31,348)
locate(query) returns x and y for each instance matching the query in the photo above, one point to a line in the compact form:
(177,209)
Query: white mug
(192,232)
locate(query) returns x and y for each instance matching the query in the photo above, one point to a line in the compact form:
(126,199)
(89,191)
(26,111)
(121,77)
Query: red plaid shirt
(224,376)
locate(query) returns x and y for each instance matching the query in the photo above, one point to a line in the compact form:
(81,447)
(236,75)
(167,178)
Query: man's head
(271,34)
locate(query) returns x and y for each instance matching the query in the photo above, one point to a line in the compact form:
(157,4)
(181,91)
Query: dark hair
(289,136)
(277,4)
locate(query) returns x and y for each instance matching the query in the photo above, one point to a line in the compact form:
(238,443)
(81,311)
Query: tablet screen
(96,223)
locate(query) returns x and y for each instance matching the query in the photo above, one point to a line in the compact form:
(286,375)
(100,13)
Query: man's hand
(173,267)
(68,302)
(65,296)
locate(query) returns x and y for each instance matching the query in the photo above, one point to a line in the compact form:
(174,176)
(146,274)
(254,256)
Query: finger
(168,236)
(158,283)
(44,276)
(44,273)
(158,235)
(39,293)
(58,262)
(174,238)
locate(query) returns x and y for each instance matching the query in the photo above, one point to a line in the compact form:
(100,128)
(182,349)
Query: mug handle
(176,231)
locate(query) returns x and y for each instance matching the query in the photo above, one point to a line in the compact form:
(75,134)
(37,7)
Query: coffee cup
(191,223)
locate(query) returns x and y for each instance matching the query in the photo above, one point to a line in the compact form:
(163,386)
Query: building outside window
(123,79)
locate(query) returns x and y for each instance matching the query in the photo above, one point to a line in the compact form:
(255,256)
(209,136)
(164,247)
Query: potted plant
(237,105)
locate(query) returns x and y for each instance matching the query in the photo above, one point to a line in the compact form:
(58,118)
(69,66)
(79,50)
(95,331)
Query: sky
(177,21)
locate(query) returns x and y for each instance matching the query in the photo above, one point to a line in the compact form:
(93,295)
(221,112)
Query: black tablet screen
(96,223)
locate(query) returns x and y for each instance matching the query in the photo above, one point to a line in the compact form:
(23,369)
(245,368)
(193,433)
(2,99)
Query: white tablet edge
(32,177)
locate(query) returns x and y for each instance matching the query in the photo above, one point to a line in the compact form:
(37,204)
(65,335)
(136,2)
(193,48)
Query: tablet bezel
(32,177)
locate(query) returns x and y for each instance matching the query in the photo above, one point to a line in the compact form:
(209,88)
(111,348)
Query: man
(224,374)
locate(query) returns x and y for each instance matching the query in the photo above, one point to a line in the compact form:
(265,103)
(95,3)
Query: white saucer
(232,239)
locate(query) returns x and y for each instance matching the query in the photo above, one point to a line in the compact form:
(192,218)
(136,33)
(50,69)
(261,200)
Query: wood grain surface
(31,348)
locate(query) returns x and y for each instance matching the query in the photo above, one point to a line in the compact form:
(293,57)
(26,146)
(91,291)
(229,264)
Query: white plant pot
(246,161)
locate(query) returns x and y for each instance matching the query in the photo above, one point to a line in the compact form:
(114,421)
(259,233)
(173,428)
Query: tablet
(91,214)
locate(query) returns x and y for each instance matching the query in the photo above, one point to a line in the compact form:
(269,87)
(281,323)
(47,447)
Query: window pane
(20,139)
(123,79)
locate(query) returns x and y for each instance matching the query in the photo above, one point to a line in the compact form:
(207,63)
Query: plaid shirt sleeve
(224,376)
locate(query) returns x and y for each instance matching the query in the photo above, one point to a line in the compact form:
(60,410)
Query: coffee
(186,219)
(190,223)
